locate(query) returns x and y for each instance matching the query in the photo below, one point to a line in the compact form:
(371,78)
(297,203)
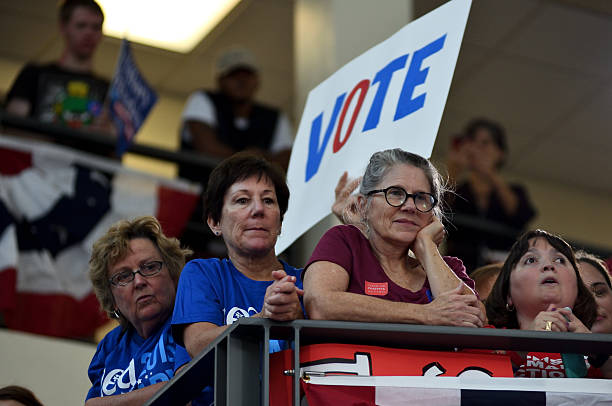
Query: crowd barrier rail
(238,361)
(102,143)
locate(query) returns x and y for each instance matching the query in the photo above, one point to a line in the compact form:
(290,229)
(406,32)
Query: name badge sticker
(376,289)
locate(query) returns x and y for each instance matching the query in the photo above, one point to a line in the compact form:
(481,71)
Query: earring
(509,307)
(217,233)
(116,313)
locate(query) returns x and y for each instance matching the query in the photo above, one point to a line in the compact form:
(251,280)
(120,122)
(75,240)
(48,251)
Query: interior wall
(580,215)
(55,370)
(9,69)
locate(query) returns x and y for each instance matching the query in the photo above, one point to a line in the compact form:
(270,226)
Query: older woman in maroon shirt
(389,269)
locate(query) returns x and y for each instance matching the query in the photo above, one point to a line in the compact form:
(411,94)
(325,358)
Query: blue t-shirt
(124,361)
(214,291)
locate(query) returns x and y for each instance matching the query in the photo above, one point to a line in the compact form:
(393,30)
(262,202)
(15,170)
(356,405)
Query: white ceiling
(264,26)
(542,68)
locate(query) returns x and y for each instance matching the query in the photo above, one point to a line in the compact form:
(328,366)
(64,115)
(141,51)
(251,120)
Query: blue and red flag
(130,98)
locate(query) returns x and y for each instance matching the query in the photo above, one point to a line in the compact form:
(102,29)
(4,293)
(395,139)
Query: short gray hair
(381,163)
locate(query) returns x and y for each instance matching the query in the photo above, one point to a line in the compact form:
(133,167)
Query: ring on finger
(548,325)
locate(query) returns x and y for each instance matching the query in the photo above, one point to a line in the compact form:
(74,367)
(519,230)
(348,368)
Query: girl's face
(543,276)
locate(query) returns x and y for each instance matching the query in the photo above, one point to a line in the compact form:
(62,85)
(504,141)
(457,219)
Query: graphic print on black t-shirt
(72,101)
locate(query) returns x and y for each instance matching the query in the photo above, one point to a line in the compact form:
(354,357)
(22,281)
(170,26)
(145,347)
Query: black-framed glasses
(397,196)
(148,269)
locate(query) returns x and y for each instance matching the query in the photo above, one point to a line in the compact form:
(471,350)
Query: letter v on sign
(316,148)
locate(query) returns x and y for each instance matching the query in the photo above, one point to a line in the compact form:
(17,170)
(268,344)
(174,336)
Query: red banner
(363,360)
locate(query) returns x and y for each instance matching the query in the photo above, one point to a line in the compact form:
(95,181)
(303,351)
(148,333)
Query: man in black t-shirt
(66,91)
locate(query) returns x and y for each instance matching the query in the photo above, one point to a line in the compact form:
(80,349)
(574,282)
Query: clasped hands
(561,320)
(282,299)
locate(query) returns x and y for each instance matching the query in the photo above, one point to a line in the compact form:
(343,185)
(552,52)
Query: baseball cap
(235,58)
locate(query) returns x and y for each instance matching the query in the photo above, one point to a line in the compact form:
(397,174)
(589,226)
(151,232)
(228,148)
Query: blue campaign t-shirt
(214,291)
(124,361)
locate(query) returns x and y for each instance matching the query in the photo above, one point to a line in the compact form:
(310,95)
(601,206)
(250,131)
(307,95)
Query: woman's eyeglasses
(148,269)
(397,196)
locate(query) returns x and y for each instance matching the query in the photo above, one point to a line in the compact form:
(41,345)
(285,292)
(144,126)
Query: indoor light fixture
(177,25)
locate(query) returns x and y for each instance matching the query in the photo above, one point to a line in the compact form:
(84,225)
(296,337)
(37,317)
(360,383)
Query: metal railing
(239,358)
(102,143)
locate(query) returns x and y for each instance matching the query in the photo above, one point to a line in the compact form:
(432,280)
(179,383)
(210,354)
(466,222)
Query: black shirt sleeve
(24,87)
(525,211)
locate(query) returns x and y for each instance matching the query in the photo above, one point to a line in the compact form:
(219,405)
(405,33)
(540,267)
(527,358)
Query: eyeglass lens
(127,276)
(397,197)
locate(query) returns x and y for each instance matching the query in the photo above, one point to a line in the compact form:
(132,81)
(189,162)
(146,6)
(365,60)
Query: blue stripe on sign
(471,397)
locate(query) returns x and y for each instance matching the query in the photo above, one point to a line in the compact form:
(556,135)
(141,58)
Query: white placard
(391,96)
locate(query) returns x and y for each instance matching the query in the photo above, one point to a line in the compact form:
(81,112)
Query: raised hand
(552,319)
(574,324)
(345,205)
(433,232)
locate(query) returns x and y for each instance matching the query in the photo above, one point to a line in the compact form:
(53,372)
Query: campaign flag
(54,203)
(130,98)
(391,96)
(454,391)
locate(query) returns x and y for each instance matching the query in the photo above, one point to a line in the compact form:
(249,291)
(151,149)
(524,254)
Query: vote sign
(392,96)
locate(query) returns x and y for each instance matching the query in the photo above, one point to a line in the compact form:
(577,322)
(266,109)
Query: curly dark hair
(499,316)
(236,168)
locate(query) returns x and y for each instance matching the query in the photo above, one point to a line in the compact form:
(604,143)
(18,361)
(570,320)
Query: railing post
(265,377)
(243,370)
(296,365)
(221,368)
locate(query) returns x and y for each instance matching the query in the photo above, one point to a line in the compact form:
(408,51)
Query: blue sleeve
(199,295)
(97,365)
(95,372)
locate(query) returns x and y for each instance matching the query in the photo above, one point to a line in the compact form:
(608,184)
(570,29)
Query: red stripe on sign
(174,209)
(13,161)
(331,395)
(8,284)
(55,315)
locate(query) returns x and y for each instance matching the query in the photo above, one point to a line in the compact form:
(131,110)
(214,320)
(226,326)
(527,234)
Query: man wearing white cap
(229,120)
